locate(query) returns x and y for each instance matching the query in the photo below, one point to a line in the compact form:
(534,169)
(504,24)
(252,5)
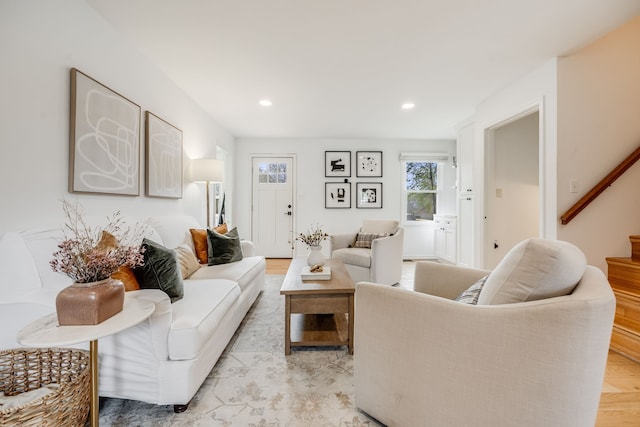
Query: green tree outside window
(421,185)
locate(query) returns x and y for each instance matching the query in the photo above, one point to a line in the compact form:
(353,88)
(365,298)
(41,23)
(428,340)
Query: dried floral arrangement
(89,254)
(313,237)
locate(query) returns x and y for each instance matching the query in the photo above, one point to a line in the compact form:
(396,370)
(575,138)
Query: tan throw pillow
(534,269)
(126,276)
(363,240)
(187,260)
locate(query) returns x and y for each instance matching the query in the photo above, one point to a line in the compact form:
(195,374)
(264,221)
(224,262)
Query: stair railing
(600,187)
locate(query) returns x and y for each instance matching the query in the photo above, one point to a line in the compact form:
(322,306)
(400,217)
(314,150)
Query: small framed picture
(369,163)
(369,195)
(337,163)
(337,195)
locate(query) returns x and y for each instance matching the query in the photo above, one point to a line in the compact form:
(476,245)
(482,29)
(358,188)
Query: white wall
(40,41)
(598,127)
(535,91)
(309,204)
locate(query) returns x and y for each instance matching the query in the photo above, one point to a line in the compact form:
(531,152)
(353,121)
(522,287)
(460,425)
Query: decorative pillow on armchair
(534,269)
(363,240)
(471,295)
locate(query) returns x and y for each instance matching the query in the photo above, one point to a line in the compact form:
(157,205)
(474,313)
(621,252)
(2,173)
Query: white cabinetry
(465,230)
(465,156)
(465,160)
(445,237)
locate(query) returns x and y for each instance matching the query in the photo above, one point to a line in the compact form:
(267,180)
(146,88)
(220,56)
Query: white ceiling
(342,68)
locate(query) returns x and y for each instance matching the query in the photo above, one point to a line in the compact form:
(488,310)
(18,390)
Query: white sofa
(379,263)
(162,360)
(422,359)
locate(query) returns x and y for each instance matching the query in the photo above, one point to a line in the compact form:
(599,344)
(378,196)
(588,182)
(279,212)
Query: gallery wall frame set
(369,164)
(369,195)
(337,164)
(337,195)
(104,144)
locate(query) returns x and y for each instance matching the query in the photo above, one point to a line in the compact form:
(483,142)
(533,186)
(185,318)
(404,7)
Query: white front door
(272,206)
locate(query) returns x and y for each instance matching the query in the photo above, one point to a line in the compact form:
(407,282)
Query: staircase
(624,276)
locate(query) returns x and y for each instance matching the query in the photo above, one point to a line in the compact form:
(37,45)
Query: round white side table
(45,332)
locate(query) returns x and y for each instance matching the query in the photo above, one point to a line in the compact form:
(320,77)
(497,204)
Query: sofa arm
(151,335)
(341,241)
(248,248)
(444,280)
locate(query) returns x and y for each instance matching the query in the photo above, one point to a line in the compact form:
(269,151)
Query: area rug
(255,384)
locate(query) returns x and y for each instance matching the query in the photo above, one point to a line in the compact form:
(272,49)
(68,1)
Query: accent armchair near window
(422,359)
(381,262)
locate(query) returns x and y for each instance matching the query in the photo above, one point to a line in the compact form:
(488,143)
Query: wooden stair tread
(624,277)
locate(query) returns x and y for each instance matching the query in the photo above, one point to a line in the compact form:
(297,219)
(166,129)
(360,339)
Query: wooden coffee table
(318,312)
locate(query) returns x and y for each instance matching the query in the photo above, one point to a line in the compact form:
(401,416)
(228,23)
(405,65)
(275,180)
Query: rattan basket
(26,369)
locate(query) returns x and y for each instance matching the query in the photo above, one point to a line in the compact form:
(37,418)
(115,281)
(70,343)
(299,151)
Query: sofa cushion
(19,272)
(363,240)
(198,314)
(160,270)
(354,256)
(224,248)
(534,269)
(243,272)
(186,260)
(174,229)
(471,295)
(379,226)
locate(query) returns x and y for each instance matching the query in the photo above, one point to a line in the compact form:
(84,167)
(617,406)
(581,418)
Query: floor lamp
(207,171)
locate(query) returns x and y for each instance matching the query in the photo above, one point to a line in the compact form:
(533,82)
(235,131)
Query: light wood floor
(620,399)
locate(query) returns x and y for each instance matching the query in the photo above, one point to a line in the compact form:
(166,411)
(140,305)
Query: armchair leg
(178,409)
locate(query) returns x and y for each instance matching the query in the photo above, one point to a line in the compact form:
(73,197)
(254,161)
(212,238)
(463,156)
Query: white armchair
(422,359)
(381,262)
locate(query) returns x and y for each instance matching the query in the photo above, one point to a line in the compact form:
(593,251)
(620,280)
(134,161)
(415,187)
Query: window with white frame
(422,178)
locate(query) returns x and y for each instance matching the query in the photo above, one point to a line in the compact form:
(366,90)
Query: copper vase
(89,303)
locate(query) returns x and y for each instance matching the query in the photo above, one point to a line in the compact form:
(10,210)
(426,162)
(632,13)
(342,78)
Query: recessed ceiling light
(266,102)
(408,106)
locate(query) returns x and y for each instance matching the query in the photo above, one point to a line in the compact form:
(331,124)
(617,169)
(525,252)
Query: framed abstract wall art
(104,139)
(369,164)
(337,163)
(337,195)
(163,151)
(369,195)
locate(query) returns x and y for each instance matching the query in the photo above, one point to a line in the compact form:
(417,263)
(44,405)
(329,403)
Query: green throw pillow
(160,270)
(224,248)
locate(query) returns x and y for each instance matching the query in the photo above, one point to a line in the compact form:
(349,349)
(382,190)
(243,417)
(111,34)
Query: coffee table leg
(93,360)
(287,324)
(351,322)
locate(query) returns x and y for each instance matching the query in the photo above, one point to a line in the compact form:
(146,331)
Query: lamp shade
(203,170)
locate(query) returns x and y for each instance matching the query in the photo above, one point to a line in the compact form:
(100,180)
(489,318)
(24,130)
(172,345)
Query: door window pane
(272,173)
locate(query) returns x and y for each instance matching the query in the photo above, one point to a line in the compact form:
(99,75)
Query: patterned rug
(255,384)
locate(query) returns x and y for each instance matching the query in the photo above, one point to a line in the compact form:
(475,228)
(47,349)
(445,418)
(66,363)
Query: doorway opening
(512,187)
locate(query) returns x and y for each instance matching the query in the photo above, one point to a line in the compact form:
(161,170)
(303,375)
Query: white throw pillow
(534,269)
